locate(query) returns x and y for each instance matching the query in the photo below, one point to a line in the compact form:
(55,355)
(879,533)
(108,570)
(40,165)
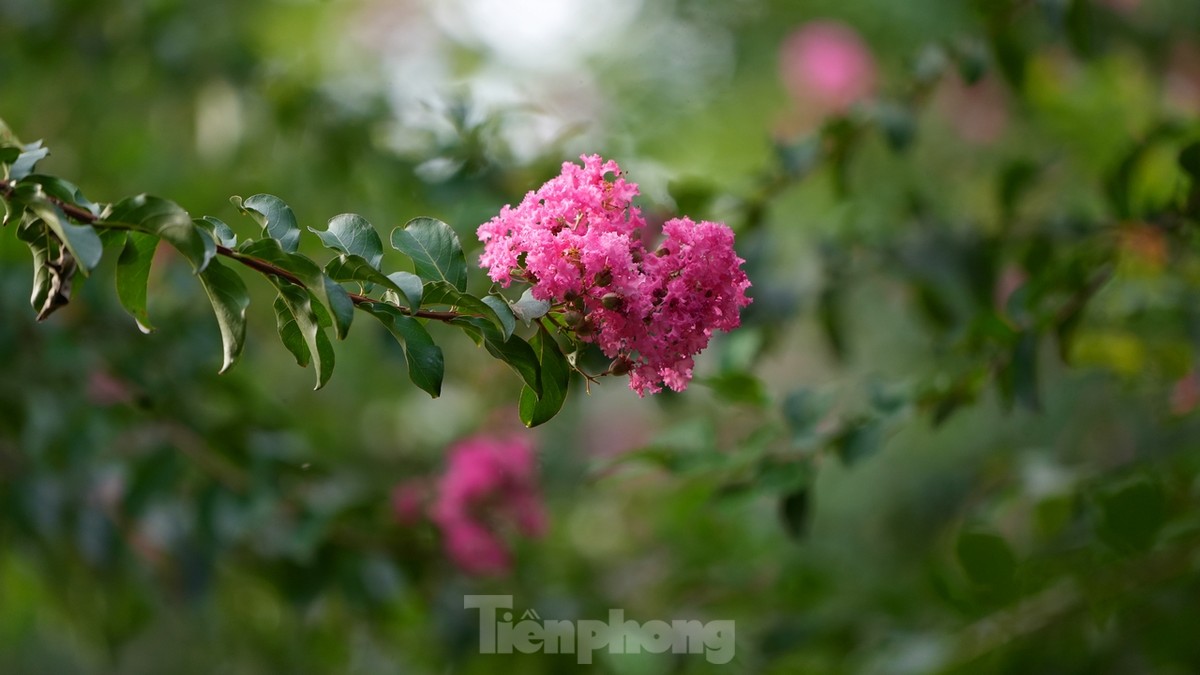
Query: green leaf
(170,222)
(858,441)
(300,329)
(133,273)
(426,365)
(442,293)
(81,240)
(514,351)
(508,322)
(275,217)
(41,244)
(349,267)
(64,190)
(1132,513)
(435,251)
(555,376)
(220,232)
(332,296)
(739,387)
(25,162)
(986,558)
(9,154)
(795,511)
(351,233)
(229,297)
(529,308)
(412,286)
(1018,380)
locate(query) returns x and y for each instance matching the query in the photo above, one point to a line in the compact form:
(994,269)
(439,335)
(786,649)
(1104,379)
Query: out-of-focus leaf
(859,440)
(350,233)
(739,387)
(275,217)
(1132,513)
(133,273)
(795,509)
(435,251)
(229,297)
(426,364)
(555,373)
(986,558)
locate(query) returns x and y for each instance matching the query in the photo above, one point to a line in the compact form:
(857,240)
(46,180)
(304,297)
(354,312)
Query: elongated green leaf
(514,351)
(426,365)
(442,293)
(169,221)
(81,240)
(986,558)
(555,374)
(229,297)
(333,297)
(133,273)
(300,330)
(351,233)
(434,249)
(355,268)
(275,217)
(37,236)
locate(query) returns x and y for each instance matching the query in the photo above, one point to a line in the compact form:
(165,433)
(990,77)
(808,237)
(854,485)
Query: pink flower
(827,65)
(577,240)
(488,489)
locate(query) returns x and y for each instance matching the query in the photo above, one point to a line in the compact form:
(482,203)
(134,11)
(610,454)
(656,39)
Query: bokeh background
(955,433)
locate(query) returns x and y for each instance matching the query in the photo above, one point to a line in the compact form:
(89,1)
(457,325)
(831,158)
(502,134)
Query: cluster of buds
(577,242)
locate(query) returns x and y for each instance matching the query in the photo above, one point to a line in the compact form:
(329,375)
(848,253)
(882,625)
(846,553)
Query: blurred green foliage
(956,432)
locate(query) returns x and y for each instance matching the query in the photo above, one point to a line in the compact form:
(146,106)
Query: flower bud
(573,319)
(620,366)
(612,300)
(585,329)
(604,278)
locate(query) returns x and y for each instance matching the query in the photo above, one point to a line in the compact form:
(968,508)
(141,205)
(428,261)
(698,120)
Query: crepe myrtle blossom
(577,242)
(489,489)
(827,65)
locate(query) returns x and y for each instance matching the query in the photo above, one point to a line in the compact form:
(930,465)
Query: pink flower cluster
(488,490)
(577,241)
(827,65)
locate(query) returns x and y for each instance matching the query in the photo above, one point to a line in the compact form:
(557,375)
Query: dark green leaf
(133,273)
(229,297)
(986,558)
(442,293)
(332,296)
(351,233)
(1018,380)
(435,251)
(354,268)
(794,509)
(275,217)
(9,154)
(41,244)
(1132,513)
(426,365)
(64,190)
(802,410)
(555,376)
(858,441)
(170,222)
(514,351)
(300,329)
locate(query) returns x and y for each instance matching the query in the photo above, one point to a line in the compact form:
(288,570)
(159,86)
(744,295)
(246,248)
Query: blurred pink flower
(408,501)
(489,489)
(827,65)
